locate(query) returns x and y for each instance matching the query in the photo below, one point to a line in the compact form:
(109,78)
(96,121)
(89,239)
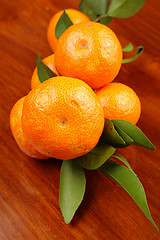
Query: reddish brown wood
(29,207)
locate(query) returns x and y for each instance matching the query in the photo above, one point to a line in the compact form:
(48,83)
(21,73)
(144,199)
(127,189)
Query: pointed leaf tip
(134,133)
(43,71)
(63,23)
(128,48)
(130,182)
(72,188)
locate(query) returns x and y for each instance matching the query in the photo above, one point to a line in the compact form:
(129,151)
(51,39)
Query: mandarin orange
(49,61)
(16,128)
(89,51)
(63,118)
(75,16)
(119,102)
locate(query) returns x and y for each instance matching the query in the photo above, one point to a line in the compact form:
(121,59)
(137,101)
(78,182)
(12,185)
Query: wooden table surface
(29,207)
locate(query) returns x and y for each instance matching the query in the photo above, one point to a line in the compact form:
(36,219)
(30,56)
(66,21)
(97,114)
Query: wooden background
(29,208)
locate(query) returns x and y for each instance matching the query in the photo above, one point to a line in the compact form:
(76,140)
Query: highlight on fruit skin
(89,51)
(63,118)
(49,61)
(16,128)
(75,16)
(119,102)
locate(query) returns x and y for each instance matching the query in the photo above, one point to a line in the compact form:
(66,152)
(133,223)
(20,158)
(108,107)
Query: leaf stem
(99,18)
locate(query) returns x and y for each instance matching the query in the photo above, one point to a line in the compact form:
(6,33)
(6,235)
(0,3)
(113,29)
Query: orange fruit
(75,16)
(119,102)
(16,128)
(49,61)
(63,118)
(89,51)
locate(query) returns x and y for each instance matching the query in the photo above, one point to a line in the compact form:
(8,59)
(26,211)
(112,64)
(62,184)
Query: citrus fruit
(16,128)
(49,61)
(63,118)
(75,16)
(89,51)
(119,102)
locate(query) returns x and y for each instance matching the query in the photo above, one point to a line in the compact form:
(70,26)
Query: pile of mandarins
(63,117)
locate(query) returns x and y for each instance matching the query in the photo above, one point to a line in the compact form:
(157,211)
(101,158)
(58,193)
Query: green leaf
(105,20)
(124,8)
(122,159)
(128,48)
(134,133)
(111,136)
(43,71)
(130,182)
(99,7)
(86,9)
(72,188)
(63,23)
(95,158)
(120,134)
(138,53)
(93,7)
(107,5)
(128,141)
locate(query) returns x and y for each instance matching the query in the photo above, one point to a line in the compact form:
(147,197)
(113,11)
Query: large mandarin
(89,51)
(63,118)
(75,16)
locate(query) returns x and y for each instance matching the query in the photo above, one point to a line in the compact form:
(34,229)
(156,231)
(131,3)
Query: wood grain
(29,207)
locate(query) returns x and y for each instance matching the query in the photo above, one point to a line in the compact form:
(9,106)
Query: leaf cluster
(104,11)
(116,134)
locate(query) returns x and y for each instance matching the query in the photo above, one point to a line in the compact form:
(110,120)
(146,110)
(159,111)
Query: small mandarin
(119,102)
(66,116)
(16,128)
(75,16)
(49,61)
(89,51)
